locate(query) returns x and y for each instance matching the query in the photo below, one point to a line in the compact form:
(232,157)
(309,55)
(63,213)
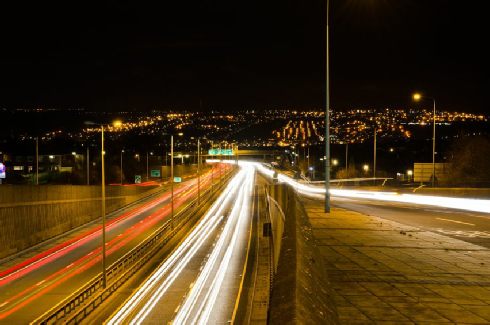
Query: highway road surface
(200,281)
(467,219)
(50,274)
(473,227)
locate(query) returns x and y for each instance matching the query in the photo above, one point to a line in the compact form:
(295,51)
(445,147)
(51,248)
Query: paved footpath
(384,272)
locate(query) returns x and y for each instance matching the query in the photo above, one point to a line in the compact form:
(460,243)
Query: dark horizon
(128,55)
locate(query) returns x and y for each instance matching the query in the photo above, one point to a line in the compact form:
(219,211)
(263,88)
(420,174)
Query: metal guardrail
(91,295)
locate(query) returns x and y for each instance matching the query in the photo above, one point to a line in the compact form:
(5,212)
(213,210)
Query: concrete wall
(32,214)
(301,293)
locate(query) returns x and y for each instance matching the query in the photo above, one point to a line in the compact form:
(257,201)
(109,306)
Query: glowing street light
(418,97)
(335,162)
(365,168)
(116,124)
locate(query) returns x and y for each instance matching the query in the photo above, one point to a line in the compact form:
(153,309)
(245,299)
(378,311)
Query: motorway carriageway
(466,219)
(200,281)
(31,287)
(456,203)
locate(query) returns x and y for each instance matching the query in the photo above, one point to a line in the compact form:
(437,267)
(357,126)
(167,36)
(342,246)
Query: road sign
(222,152)
(137,179)
(177,179)
(2,170)
(155,173)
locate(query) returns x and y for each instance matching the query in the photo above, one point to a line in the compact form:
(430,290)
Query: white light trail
(179,258)
(471,204)
(233,227)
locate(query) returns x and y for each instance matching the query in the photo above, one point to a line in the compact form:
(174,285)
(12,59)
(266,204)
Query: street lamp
(172,180)
(327,117)
(374,154)
(37,160)
(198,171)
(365,168)
(102,154)
(122,151)
(88,164)
(418,97)
(148,166)
(409,174)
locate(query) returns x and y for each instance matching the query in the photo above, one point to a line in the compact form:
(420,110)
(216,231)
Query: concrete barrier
(32,214)
(301,293)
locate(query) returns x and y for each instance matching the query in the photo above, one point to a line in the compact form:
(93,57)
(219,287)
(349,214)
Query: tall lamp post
(88,164)
(327,118)
(374,155)
(418,97)
(147,175)
(172,181)
(37,160)
(346,156)
(198,171)
(116,124)
(122,151)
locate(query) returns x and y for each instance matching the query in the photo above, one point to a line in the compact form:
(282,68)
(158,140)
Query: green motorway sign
(155,173)
(137,179)
(222,152)
(177,179)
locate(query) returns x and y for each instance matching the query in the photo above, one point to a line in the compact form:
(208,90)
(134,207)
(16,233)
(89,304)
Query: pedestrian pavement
(384,272)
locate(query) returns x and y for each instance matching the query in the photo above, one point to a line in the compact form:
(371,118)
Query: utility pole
(346,157)
(147,171)
(417,97)
(220,161)
(308,157)
(172,179)
(104,275)
(122,151)
(37,160)
(236,153)
(434,145)
(212,167)
(374,158)
(198,171)
(88,165)
(327,118)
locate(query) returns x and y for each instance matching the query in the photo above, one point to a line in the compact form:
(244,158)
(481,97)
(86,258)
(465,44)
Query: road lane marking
(40,282)
(456,221)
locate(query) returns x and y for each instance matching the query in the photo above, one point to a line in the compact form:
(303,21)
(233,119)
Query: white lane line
(456,221)
(172,267)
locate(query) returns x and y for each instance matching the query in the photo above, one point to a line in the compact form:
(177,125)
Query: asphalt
(167,291)
(471,227)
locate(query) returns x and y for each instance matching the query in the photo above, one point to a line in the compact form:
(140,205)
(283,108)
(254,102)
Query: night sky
(139,55)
